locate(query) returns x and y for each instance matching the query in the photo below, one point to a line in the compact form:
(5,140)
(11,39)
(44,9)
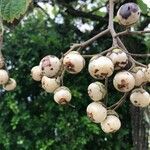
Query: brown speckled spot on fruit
(62,101)
(69,66)
(123,84)
(90,115)
(135,101)
(96,70)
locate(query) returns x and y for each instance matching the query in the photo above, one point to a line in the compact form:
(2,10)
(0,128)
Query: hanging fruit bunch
(6,82)
(101,67)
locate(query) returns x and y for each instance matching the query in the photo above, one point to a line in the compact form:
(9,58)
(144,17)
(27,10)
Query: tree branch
(132,32)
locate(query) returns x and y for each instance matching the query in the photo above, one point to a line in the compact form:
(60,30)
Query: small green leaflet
(143,6)
(13,9)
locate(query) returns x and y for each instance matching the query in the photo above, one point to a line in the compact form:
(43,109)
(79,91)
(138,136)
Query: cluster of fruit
(8,84)
(100,67)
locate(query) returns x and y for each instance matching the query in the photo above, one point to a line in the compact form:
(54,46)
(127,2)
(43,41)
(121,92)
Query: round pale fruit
(140,98)
(50,65)
(3,77)
(111,124)
(119,58)
(62,95)
(128,14)
(96,112)
(100,67)
(73,62)
(10,85)
(139,75)
(50,84)
(96,91)
(147,73)
(36,73)
(124,81)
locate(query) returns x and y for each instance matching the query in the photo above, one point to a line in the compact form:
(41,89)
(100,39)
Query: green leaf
(13,9)
(143,6)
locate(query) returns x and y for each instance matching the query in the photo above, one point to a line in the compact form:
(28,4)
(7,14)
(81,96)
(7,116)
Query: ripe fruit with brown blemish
(100,67)
(96,91)
(62,95)
(124,81)
(36,73)
(3,77)
(73,62)
(140,97)
(139,75)
(111,124)
(128,14)
(50,65)
(119,58)
(10,85)
(50,84)
(96,112)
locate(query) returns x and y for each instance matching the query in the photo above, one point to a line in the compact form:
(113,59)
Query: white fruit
(62,95)
(50,65)
(111,124)
(73,62)
(96,112)
(96,91)
(119,58)
(100,67)
(2,63)
(10,85)
(36,73)
(50,84)
(140,98)
(147,73)
(128,14)
(124,81)
(139,75)
(3,76)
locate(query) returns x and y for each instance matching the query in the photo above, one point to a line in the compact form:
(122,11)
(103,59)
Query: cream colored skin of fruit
(139,75)
(96,91)
(147,73)
(100,67)
(76,60)
(10,85)
(50,67)
(111,124)
(119,58)
(132,19)
(50,84)
(140,98)
(97,112)
(62,95)
(3,77)
(124,81)
(36,73)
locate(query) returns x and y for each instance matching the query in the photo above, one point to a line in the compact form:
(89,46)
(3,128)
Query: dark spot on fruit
(96,70)
(51,68)
(127,9)
(123,84)
(90,115)
(135,101)
(62,101)
(69,66)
